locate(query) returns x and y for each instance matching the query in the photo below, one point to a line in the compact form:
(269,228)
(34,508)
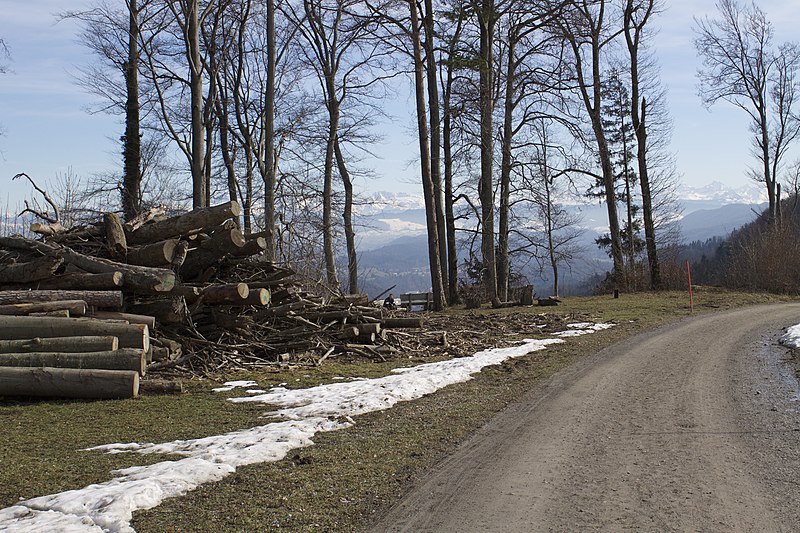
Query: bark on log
(136,277)
(104,281)
(115,235)
(180,253)
(211,251)
(369,328)
(61,344)
(64,313)
(30,271)
(123,359)
(153,255)
(68,383)
(75,307)
(350,332)
(190,292)
(154,213)
(166,311)
(102,299)
(227,294)
(160,386)
(402,322)
(258,297)
(48,230)
(280,311)
(24,327)
(190,222)
(251,247)
(130,318)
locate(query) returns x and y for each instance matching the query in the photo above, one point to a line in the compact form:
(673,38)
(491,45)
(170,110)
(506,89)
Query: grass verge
(348,476)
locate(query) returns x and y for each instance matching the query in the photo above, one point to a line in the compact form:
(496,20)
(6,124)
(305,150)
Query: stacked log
(188,293)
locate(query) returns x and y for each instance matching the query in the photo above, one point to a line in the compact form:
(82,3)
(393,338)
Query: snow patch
(792,337)
(109,506)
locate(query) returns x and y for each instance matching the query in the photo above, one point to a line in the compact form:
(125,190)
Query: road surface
(691,427)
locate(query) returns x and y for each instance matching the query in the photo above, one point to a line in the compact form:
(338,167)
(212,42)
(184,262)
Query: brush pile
(193,286)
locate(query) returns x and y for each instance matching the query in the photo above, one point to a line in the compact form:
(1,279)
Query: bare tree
(425,160)
(742,66)
(113,34)
(588,31)
(637,15)
(542,180)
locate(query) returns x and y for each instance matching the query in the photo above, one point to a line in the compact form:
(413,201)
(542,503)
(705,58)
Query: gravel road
(691,427)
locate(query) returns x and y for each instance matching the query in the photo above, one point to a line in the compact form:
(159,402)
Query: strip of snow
(109,506)
(792,337)
(230,385)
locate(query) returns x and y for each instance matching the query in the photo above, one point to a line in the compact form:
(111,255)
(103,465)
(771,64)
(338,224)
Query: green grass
(336,485)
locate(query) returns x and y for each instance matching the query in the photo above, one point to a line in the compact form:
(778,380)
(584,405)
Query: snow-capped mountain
(720,194)
(709,210)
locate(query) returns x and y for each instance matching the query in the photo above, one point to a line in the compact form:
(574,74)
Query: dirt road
(692,427)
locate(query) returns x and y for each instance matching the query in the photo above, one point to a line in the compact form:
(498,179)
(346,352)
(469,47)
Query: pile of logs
(182,293)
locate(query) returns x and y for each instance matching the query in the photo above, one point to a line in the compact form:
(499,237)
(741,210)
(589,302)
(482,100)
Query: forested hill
(759,255)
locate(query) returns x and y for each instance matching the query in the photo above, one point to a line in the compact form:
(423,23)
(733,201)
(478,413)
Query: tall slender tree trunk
(436,137)
(199,183)
(487,21)
(439,302)
(503,262)
(639,122)
(349,232)
(327,189)
(269,136)
(447,146)
(224,145)
(132,150)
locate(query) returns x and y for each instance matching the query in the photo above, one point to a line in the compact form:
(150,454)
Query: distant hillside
(392,238)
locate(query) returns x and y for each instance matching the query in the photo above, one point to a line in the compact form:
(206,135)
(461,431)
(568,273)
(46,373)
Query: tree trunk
(25,327)
(132,149)
(124,359)
(153,255)
(349,232)
(211,251)
(115,235)
(103,281)
(228,294)
(436,141)
(199,188)
(425,163)
(269,136)
(61,344)
(68,383)
(503,261)
(101,299)
(75,307)
(186,224)
(486,16)
(327,192)
(40,268)
(450,222)
(131,318)
(639,121)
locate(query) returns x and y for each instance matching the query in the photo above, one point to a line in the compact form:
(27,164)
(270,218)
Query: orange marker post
(689,276)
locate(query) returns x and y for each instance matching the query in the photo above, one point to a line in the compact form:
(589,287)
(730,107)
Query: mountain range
(393,242)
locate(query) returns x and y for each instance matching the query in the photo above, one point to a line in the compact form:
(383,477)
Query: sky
(47,131)
(301,414)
